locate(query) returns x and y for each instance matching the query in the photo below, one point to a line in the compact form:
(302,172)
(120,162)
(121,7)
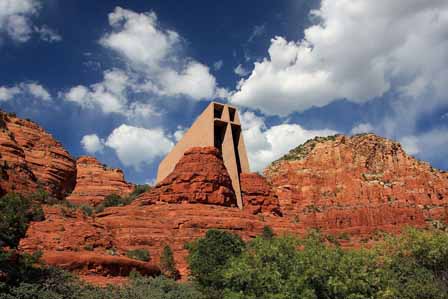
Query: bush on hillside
(268,233)
(16,212)
(167,264)
(43,197)
(139,254)
(138,189)
(115,200)
(86,209)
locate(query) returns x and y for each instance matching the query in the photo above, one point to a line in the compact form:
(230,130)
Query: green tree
(208,256)
(408,267)
(167,264)
(16,212)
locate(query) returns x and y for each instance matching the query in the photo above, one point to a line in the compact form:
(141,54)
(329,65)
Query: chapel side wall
(229,158)
(244,161)
(199,134)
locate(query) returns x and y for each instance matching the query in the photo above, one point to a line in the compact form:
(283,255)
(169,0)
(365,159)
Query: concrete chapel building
(219,126)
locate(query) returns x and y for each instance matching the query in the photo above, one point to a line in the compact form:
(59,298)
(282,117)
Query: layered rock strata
(94,181)
(72,241)
(32,158)
(199,177)
(359,183)
(258,195)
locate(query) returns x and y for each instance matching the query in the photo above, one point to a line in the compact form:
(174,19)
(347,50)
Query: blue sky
(121,80)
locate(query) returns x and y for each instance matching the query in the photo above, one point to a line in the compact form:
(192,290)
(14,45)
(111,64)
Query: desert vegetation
(115,200)
(411,265)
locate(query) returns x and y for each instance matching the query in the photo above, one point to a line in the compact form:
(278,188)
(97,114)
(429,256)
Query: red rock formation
(140,226)
(347,186)
(199,177)
(15,175)
(75,242)
(101,269)
(94,181)
(66,229)
(358,184)
(258,195)
(30,157)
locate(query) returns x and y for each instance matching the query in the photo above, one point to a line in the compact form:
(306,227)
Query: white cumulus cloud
(218,65)
(7,93)
(16,21)
(362,128)
(156,53)
(430,145)
(357,50)
(29,89)
(241,71)
(266,144)
(156,69)
(92,143)
(37,91)
(136,146)
(110,95)
(15,18)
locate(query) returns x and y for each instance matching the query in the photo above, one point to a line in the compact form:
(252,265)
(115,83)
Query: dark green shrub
(99,208)
(88,247)
(42,196)
(209,255)
(268,233)
(138,254)
(16,212)
(167,264)
(113,200)
(87,210)
(139,189)
(156,288)
(25,276)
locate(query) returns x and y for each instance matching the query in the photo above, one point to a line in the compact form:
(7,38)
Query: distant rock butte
(32,158)
(94,181)
(359,183)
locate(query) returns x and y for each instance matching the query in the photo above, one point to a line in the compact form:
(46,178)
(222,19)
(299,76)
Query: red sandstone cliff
(94,181)
(32,158)
(356,184)
(258,195)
